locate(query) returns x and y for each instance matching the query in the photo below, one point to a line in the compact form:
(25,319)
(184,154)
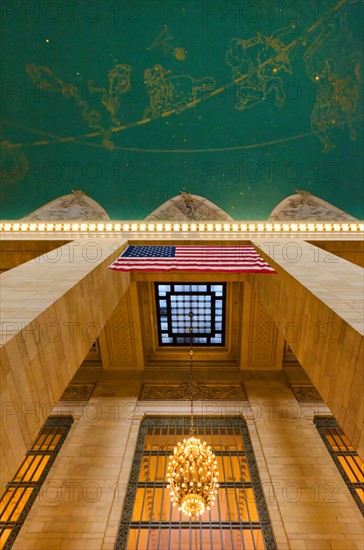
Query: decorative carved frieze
(77,392)
(304,206)
(188,207)
(75,206)
(200,392)
(306,393)
(120,337)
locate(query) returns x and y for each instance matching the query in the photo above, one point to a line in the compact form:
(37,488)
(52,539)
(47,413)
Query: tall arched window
(239,519)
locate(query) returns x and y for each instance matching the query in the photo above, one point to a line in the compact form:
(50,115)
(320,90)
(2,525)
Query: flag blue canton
(149,252)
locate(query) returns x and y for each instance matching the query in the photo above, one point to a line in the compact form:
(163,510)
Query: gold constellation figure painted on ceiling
(337,91)
(268,57)
(119,83)
(163,39)
(168,92)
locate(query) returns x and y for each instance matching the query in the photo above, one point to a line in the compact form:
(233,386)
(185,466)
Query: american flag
(222,258)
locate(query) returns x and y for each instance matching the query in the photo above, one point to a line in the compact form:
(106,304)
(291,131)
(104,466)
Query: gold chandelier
(192,469)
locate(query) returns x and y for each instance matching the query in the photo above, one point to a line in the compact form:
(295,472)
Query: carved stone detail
(77,206)
(306,393)
(188,207)
(200,392)
(304,206)
(263,337)
(78,392)
(121,335)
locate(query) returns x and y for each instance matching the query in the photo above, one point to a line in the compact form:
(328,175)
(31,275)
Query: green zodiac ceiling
(242,102)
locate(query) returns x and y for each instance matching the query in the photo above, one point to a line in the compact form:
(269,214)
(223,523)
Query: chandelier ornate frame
(192,469)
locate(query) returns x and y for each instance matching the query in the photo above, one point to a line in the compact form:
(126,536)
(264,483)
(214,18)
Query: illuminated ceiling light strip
(185,227)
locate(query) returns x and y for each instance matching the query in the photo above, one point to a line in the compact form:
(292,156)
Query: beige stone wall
(81,502)
(352,251)
(14,253)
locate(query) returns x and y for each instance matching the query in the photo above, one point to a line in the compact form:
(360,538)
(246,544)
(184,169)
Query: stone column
(52,309)
(317,302)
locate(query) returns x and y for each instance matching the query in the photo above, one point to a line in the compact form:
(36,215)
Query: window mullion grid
(233,478)
(178,330)
(164,479)
(338,434)
(244,489)
(11,501)
(213,317)
(154,483)
(226,492)
(169,316)
(335,434)
(48,432)
(145,490)
(199,523)
(28,455)
(175,433)
(34,452)
(325,427)
(217,499)
(52,439)
(345,456)
(32,487)
(223,312)
(346,452)
(190,529)
(209,522)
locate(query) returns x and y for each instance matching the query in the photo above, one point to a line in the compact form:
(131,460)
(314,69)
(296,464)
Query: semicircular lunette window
(239,519)
(207,303)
